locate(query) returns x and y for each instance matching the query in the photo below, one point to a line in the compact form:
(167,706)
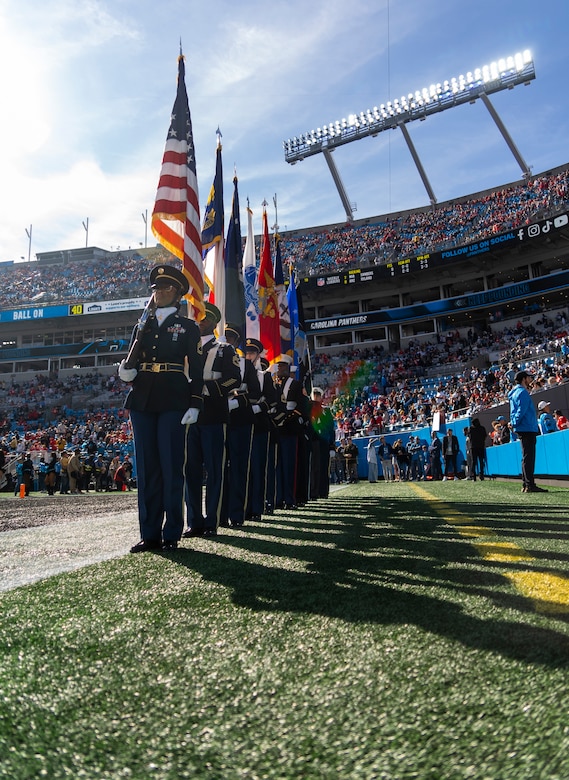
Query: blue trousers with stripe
(205,449)
(160,444)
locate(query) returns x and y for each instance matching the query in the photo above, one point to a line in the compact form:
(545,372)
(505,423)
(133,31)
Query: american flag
(176,216)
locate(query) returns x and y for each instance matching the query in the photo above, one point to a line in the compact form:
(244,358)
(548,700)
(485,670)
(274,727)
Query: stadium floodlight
(504,73)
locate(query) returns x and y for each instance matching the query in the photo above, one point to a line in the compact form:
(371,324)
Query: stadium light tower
(29,235)
(145,220)
(504,74)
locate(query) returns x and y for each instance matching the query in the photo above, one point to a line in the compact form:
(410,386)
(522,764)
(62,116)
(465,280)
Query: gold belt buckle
(156,368)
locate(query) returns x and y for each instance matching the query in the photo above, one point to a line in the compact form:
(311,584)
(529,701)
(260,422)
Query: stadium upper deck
(82,275)
(425,271)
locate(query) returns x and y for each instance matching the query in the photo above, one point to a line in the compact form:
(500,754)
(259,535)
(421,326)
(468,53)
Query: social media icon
(561,220)
(533,231)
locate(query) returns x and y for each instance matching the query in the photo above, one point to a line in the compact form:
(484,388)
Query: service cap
(233,330)
(170,274)
(253,344)
(212,312)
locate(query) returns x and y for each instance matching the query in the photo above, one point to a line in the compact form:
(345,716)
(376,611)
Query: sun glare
(25,127)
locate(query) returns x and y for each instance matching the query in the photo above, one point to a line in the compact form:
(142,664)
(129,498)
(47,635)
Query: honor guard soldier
(242,406)
(260,460)
(271,394)
(166,395)
(206,440)
(323,439)
(290,424)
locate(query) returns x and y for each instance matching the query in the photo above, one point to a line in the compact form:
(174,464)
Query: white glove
(127,374)
(256,408)
(191,416)
(233,404)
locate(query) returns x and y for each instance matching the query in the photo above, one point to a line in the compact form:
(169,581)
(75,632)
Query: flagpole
(276,225)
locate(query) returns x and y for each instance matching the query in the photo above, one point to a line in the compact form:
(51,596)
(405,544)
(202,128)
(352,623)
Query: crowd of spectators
(372,392)
(124,275)
(433,229)
(42,416)
(113,277)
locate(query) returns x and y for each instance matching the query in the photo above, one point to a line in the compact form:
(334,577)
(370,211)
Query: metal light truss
(504,74)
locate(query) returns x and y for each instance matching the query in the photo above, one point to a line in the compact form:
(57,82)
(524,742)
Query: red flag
(176,215)
(269,326)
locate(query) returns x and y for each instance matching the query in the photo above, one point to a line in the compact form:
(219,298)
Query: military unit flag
(234,290)
(284,314)
(250,282)
(213,239)
(269,328)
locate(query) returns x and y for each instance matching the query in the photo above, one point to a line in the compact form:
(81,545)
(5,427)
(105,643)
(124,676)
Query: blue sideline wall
(552,452)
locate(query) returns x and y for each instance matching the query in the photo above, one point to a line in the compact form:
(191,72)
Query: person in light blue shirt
(523,420)
(547,422)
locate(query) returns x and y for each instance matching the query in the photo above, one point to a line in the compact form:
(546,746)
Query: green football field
(392,631)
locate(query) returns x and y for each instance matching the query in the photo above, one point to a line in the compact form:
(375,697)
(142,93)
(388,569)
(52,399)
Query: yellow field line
(548,592)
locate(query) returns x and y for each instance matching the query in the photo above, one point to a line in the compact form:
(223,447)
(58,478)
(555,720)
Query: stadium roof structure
(480,83)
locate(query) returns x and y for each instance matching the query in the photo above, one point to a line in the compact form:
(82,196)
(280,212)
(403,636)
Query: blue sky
(88,86)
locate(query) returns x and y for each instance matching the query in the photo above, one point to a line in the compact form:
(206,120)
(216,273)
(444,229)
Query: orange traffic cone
(124,486)
(22,490)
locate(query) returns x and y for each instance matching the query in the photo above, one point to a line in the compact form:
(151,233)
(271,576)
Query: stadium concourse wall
(552,452)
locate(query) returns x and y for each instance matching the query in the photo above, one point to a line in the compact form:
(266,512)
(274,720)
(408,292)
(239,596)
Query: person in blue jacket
(523,419)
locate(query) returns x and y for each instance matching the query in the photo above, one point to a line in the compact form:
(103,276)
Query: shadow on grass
(388,562)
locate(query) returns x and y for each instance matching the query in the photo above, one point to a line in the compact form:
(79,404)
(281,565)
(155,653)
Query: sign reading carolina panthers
(420,311)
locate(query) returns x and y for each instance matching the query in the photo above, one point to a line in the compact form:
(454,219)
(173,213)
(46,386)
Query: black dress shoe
(145,545)
(193,532)
(209,533)
(535,489)
(169,546)
(290,507)
(255,518)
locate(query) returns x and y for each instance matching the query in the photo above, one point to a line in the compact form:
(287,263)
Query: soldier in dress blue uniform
(243,404)
(322,441)
(166,395)
(291,424)
(262,464)
(206,440)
